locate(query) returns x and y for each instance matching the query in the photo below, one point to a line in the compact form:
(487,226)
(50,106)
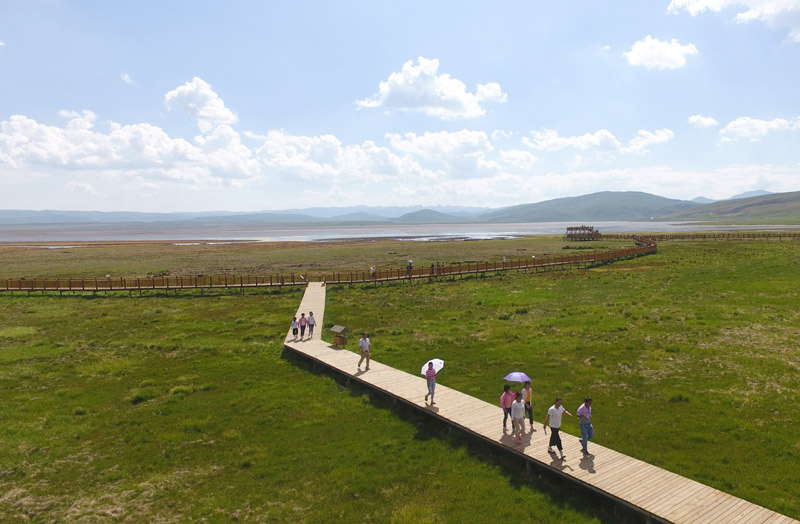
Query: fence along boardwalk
(243,282)
(657,494)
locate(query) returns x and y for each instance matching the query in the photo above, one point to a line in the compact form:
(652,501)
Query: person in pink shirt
(505,402)
(430,375)
(303,322)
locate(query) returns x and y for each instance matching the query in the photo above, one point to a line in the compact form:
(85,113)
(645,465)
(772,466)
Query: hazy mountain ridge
(603,206)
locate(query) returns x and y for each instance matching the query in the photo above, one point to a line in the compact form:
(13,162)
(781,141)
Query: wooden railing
(168,283)
(733,235)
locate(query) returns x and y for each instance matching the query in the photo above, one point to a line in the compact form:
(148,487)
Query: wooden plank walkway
(657,494)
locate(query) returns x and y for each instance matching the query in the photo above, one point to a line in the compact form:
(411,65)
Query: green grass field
(182,408)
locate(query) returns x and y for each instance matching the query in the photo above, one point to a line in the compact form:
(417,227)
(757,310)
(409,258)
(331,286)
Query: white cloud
(2,44)
(125,77)
(643,138)
(461,154)
(199,100)
(777,14)
(605,48)
(516,158)
(127,151)
(441,145)
(550,140)
(499,134)
(419,88)
(655,54)
(325,158)
(603,140)
(702,121)
(754,129)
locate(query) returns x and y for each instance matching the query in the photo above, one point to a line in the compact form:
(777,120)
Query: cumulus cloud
(419,88)
(777,14)
(133,151)
(199,100)
(702,121)
(655,54)
(125,77)
(643,139)
(2,44)
(602,140)
(326,158)
(550,140)
(754,129)
(460,154)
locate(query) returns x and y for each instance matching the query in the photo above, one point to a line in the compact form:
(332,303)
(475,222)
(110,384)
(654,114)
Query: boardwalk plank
(668,496)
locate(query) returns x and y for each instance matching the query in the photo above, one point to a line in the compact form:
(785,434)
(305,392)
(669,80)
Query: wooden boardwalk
(658,495)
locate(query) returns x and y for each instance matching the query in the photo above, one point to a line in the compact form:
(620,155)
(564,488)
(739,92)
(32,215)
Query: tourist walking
(430,375)
(505,402)
(302,323)
(518,416)
(553,418)
(365,346)
(294,328)
(311,323)
(584,414)
(527,396)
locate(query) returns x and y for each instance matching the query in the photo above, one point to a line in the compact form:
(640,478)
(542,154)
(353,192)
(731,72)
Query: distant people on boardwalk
(372,272)
(430,375)
(364,344)
(303,322)
(518,416)
(527,397)
(584,414)
(554,419)
(294,328)
(409,268)
(311,323)
(505,402)
(431,268)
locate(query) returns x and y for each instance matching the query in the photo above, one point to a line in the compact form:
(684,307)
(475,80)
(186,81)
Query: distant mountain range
(634,206)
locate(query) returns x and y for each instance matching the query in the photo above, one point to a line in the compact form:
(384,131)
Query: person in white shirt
(311,323)
(518,416)
(554,418)
(364,344)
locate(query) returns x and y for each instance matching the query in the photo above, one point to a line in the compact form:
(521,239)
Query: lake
(421,232)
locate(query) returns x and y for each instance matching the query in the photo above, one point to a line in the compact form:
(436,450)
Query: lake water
(421,232)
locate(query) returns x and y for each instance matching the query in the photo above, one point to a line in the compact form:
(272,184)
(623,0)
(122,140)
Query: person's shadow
(558,463)
(587,463)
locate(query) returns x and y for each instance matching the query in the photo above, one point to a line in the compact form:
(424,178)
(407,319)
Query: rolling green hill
(773,208)
(607,205)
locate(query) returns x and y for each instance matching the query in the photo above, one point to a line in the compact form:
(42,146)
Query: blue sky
(246,106)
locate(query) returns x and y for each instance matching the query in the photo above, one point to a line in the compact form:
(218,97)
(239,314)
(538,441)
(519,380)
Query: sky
(250,106)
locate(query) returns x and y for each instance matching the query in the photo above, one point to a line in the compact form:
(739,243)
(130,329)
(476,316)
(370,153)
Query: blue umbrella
(517,376)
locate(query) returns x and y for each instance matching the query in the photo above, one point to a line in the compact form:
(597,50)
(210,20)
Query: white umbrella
(438,364)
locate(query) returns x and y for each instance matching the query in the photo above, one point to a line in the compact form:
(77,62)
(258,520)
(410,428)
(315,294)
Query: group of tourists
(517,405)
(303,323)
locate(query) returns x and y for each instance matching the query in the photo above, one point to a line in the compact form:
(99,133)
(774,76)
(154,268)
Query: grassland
(691,355)
(181,408)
